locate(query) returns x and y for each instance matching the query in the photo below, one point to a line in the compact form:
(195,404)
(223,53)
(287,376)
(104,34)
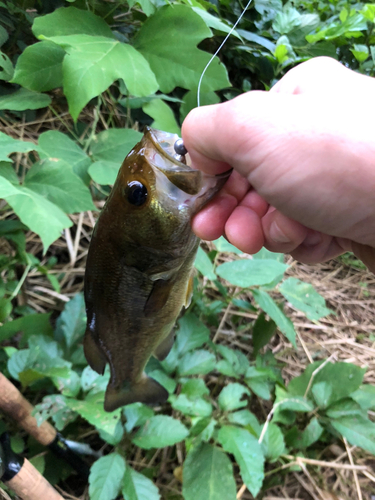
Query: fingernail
(277,234)
(312,239)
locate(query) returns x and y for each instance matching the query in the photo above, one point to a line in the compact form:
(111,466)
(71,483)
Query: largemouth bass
(139,266)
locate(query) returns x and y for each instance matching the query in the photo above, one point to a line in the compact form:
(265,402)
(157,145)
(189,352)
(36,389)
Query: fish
(140,264)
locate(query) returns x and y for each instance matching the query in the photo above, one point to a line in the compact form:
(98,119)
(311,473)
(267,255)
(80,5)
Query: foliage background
(78,82)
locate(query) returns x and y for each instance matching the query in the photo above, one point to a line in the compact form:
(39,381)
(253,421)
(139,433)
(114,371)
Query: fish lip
(149,133)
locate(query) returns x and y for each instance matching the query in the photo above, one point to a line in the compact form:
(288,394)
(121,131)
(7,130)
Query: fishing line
(218,50)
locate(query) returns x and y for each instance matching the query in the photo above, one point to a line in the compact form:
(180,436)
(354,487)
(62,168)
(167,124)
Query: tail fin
(147,390)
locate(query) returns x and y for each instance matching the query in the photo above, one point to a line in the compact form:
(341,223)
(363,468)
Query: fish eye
(136,193)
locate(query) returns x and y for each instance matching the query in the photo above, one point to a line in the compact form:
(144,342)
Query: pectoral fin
(189,292)
(94,356)
(162,350)
(147,391)
(158,297)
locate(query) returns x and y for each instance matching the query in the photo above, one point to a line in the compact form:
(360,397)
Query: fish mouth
(191,181)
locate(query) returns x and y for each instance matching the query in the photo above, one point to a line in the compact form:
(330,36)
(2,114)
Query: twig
(316,371)
(357,485)
(304,347)
(241,491)
(223,319)
(321,463)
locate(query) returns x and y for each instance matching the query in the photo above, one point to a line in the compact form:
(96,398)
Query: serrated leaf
(39,67)
(162,115)
(109,149)
(263,331)
(23,99)
(9,145)
(70,21)
(55,180)
(55,144)
(194,388)
(106,477)
(231,397)
(224,246)
(160,431)
(192,406)
(322,392)
(198,362)
(136,486)
(304,297)
(364,396)
(96,62)
(204,264)
(273,444)
(136,414)
(248,454)
(359,431)
(191,334)
(5,63)
(184,29)
(71,324)
(29,325)
(251,272)
(345,408)
(270,307)
(289,401)
(237,360)
(94,413)
(246,419)
(208,475)
(54,407)
(163,379)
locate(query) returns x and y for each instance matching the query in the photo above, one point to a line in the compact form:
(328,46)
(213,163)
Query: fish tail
(147,391)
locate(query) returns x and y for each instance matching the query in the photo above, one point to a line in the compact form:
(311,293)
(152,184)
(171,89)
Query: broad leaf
(193,406)
(106,476)
(231,397)
(136,486)
(23,99)
(208,475)
(54,407)
(251,272)
(39,67)
(160,431)
(248,454)
(246,419)
(198,362)
(96,62)
(194,387)
(304,297)
(192,333)
(224,246)
(190,102)
(184,30)
(263,331)
(56,181)
(365,395)
(55,144)
(71,324)
(31,324)
(270,307)
(345,408)
(70,21)
(273,444)
(109,149)
(9,145)
(163,116)
(204,264)
(359,431)
(136,414)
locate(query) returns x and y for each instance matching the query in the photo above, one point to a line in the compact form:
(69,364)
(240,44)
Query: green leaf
(109,149)
(96,62)
(5,308)
(286,20)
(191,334)
(136,486)
(246,419)
(190,102)
(208,475)
(263,331)
(270,307)
(230,397)
(287,401)
(106,476)
(248,454)
(204,265)
(360,52)
(163,379)
(345,408)
(184,30)
(237,360)
(214,22)
(193,406)
(160,431)
(31,324)
(9,145)
(71,324)
(364,396)
(70,21)
(304,297)
(198,362)
(194,388)
(5,63)
(224,246)
(55,180)
(273,444)
(322,392)
(251,272)
(39,214)
(359,431)
(39,67)
(136,414)
(23,99)
(163,116)
(55,144)
(259,40)
(310,435)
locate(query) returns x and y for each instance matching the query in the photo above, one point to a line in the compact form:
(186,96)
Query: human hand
(303,156)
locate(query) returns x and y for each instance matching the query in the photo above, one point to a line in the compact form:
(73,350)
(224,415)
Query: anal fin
(93,354)
(147,391)
(162,350)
